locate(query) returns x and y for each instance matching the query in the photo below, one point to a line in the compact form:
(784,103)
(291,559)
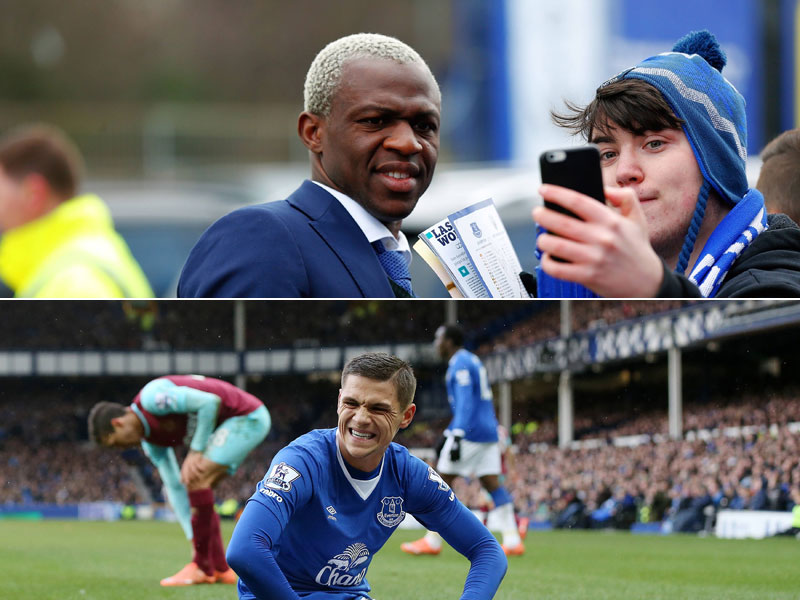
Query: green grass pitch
(71,560)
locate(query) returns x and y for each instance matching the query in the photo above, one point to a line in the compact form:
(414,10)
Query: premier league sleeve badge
(281,477)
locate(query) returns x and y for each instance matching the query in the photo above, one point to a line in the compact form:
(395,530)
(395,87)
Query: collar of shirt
(456,354)
(373,229)
(142,418)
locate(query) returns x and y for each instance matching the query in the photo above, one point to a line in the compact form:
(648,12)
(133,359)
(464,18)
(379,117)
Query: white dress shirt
(373,229)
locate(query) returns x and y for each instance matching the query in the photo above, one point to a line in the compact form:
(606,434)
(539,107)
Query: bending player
(332,498)
(471,446)
(228,423)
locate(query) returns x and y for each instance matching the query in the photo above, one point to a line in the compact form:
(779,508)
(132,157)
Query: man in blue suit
(371,125)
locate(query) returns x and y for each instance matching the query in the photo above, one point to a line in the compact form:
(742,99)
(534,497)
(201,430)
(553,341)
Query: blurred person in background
(56,243)
(794,529)
(333,497)
(222,424)
(779,178)
(371,126)
(680,220)
(471,447)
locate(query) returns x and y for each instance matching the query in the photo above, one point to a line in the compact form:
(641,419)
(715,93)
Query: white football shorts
(477,459)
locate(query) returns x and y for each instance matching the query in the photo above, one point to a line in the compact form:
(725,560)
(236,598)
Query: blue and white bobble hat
(690,80)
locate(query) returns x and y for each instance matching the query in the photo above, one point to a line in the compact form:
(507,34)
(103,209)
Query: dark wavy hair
(99,420)
(630,104)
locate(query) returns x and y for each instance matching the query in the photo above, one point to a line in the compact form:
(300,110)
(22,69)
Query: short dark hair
(100,420)
(779,179)
(46,151)
(385,367)
(631,104)
(454,333)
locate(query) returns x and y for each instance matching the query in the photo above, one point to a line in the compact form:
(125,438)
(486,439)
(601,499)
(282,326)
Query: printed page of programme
(486,240)
(444,243)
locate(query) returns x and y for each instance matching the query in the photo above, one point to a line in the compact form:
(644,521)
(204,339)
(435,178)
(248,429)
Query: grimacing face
(369,417)
(380,142)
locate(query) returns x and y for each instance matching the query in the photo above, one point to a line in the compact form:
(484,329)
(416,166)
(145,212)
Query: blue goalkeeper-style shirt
(314,524)
(470,398)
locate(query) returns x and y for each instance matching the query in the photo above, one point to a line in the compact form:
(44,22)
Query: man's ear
(38,193)
(311,128)
(408,415)
(116,422)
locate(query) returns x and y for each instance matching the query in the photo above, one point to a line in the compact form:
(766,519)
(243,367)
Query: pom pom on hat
(704,44)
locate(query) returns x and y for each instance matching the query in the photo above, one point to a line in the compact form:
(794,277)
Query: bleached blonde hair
(325,73)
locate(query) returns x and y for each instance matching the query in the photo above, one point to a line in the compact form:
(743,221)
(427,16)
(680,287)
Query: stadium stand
(740,446)
(747,458)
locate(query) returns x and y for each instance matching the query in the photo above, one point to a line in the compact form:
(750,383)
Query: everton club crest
(391,511)
(476,231)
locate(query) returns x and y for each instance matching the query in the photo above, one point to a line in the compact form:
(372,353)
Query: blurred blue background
(186,109)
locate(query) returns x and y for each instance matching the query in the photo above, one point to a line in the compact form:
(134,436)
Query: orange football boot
(191,574)
(513,550)
(228,576)
(421,546)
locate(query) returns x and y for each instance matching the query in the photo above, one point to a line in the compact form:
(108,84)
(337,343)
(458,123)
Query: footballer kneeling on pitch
(332,498)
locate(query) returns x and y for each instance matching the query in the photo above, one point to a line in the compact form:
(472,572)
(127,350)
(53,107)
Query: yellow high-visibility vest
(71,252)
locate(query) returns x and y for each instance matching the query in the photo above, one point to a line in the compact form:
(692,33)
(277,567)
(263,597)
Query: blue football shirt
(470,398)
(323,522)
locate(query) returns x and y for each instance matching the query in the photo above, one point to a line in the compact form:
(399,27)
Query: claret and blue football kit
(208,415)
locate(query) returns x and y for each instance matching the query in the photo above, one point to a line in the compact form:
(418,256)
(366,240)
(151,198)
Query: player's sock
(505,512)
(203,514)
(434,539)
(217,548)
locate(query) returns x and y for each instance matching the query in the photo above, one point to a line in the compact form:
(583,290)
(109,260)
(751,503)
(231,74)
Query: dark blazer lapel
(341,233)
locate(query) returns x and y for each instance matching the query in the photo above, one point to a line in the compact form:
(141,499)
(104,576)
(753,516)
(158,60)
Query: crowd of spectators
(740,454)
(603,421)
(584,316)
(748,456)
(615,486)
(44,455)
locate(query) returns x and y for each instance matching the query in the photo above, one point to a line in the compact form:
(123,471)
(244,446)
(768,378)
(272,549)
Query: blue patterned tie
(395,265)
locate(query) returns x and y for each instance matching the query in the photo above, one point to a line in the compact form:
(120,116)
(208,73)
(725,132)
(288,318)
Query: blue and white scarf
(746,220)
(736,231)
